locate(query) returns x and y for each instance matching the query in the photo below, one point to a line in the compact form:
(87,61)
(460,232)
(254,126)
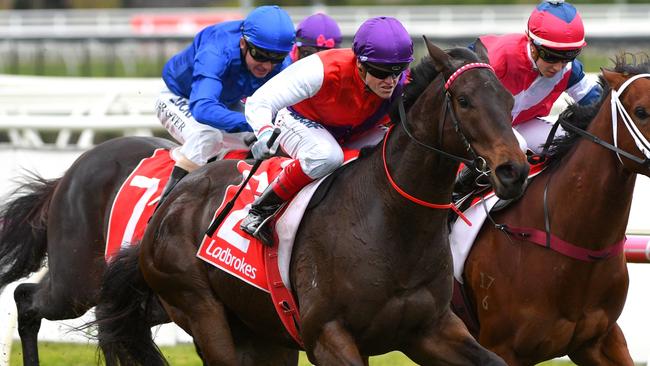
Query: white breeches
(200,142)
(318,152)
(532,134)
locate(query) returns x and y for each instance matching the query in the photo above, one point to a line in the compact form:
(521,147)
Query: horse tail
(125,304)
(23,229)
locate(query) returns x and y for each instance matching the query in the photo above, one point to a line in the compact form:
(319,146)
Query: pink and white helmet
(556,25)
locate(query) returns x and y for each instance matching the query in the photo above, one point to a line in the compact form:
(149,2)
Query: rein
(468,147)
(414,199)
(640,141)
(546,238)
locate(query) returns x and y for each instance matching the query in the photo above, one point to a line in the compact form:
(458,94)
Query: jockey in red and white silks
(328,105)
(322,101)
(537,67)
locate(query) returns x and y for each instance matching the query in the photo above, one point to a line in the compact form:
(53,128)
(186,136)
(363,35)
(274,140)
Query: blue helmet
(270,28)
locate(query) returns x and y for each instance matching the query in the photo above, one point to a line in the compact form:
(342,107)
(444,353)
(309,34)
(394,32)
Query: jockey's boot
(282,189)
(177,174)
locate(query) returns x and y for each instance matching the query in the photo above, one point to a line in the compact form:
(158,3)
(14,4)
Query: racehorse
(371,264)
(533,304)
(65,220)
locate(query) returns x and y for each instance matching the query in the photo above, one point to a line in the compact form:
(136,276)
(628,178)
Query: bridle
(617,108)
(477,162)
(546,238)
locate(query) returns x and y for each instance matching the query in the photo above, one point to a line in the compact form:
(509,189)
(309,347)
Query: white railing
(602,20)
(75,110)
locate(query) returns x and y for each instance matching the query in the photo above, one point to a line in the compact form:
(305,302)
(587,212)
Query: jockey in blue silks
(207,81)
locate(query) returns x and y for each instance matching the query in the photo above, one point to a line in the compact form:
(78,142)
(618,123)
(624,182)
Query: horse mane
(423,74)
(581,116)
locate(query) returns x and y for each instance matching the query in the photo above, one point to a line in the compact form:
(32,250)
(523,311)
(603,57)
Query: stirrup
(261,230)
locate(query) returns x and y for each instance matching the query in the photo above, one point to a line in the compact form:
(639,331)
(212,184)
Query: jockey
(315,33)
(206,82)
(536,67)
(321,102)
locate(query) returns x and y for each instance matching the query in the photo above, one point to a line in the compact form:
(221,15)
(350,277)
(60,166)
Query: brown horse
(370,269)
(65,220)
(534,304)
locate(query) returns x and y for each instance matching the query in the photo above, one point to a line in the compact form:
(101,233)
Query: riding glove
(260,148)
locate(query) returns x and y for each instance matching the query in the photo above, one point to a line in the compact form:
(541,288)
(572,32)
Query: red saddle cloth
(134,203)
(245,257)
(138,197)
(229,249)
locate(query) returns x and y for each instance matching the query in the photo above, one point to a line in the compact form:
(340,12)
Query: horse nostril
(510,174)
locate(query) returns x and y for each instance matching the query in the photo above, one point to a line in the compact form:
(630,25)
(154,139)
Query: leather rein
(477,161)
(546,238)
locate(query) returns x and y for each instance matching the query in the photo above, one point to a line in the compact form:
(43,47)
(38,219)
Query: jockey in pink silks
(537,67)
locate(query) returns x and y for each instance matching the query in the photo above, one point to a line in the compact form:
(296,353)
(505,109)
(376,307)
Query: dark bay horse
(534,304)
(64,221)
(371,269)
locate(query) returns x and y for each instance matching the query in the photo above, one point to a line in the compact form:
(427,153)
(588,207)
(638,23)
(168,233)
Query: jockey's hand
(261,148)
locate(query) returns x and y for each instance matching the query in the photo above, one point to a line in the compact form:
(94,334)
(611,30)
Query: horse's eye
(641,113)
(463,102)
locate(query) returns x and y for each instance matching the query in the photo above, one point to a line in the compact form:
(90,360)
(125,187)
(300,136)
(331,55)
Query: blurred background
(134,38)
(74,73)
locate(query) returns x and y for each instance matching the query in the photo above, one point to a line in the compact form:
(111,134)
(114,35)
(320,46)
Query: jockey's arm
(301,80)
(208,109)
(211,64)
(581,88)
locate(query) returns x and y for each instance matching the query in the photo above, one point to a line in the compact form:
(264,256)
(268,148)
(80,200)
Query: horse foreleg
(611,349)
(334,346)
(448,342)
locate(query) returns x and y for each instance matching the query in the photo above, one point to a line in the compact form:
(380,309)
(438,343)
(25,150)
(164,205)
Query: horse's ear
(481,51)
(613,79)
(441,60)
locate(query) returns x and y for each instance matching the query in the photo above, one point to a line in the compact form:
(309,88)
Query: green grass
(69,354)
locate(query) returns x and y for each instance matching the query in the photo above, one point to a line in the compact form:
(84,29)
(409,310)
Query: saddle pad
(462,236)
(132,206)
(240,254)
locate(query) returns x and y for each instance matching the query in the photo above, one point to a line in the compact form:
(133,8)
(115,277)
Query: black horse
(371,266)
(64,220)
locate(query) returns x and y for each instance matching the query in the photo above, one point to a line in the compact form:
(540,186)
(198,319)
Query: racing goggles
(555,56)
(305,51)
(262,55)
(382,71)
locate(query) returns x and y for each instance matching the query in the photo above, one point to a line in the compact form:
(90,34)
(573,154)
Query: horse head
(478,111)
(630,111)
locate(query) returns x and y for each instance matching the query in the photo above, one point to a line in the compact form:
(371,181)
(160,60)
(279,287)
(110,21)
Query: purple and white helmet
(383,40)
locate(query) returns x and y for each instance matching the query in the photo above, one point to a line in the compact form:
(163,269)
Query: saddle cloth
(240,254)
(462,236)
(137,198)
(133,206)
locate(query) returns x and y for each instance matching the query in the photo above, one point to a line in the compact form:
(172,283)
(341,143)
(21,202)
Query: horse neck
(595,189)
(422,173)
